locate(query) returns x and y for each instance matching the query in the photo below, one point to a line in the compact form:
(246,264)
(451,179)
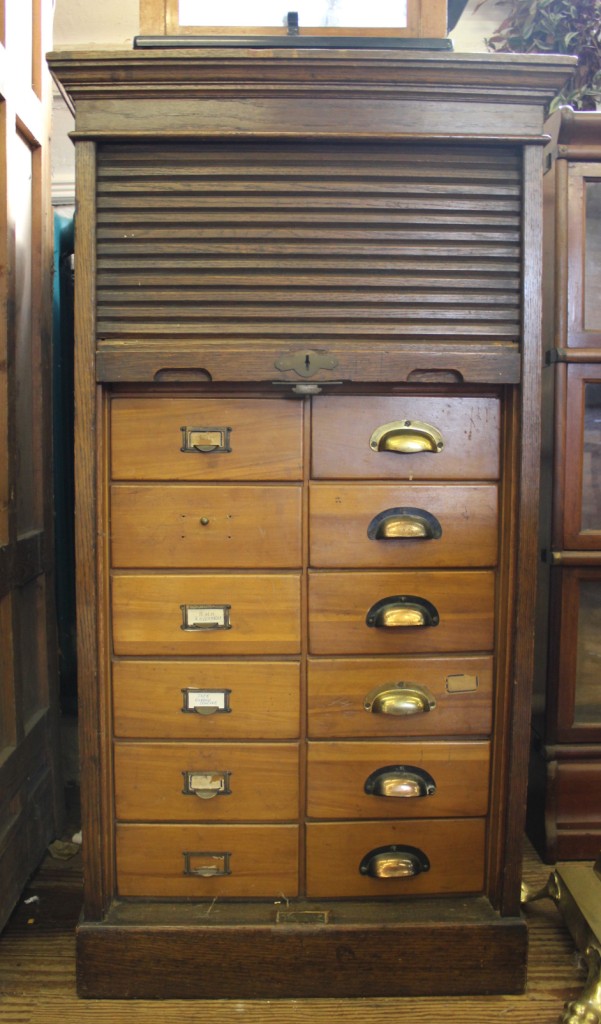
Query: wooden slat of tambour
(305,223)
(253,312)
(223,199)
(211,296)
(494,270)
(128,275)
(314,217)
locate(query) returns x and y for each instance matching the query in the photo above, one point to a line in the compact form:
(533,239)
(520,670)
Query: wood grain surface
(37,975)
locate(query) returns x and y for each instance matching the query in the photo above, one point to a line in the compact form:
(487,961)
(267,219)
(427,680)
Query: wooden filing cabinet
(308,325)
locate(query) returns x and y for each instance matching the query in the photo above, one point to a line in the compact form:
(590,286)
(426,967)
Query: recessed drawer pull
(402,611)
(408,437)
(400,780)
(404,523)
(399,699)
(206,785)
(394,862)
(205,439)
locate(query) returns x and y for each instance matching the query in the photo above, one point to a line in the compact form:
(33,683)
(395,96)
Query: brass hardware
(404,523)
(209,863)
(408,437)
(205,439)
(204,521)
(394,862)
(551,890)
(305,389)
(462,683)
(399,699)
(400,780)
(303,916)
(205,616)
(306,362)
(576,891)
(206,785)
(401,612)
(586,1009)
(206,702)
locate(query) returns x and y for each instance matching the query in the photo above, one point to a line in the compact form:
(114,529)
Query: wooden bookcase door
(584,256)
(28,704)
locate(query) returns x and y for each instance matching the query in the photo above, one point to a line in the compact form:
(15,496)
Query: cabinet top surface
(84,68)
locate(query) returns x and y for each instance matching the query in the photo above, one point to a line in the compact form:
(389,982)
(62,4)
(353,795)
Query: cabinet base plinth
(377,951)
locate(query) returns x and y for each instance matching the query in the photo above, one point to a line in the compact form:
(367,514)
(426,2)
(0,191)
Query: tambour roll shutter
(309,242)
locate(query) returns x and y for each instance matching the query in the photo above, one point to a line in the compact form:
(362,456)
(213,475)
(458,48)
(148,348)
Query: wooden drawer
(262,861)
(154,526)
(340,602)
(454,848)
(343,429)
(365,780)
(375,526)
(250,699)
(147,436)
(174,782)
(264,614)
(460,689)
(577,792)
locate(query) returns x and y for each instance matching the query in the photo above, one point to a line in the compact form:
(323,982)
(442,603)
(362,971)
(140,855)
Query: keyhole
(307,361)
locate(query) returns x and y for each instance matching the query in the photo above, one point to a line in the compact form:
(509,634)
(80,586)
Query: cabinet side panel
(86,470)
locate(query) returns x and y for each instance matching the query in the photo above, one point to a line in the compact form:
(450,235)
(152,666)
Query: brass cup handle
(394,862)
(404,781)
(407,437)
(401,612)
(404,523)
(399,699)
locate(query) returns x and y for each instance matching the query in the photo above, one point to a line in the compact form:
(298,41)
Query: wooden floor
(37,975)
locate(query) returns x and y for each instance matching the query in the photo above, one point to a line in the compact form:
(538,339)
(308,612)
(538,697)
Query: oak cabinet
(308,373)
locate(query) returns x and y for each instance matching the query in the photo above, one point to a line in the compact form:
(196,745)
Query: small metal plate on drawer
(461,683)
(206,863)
(292,916)
(206,702)
(205,439)
(205,616)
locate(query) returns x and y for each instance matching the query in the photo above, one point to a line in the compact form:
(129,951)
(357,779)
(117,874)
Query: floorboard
(37,974)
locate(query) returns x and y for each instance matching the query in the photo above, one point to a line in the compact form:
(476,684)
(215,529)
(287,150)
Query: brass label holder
(206,784)
(206,863)
(206,702)
(198,617)
(205,439)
